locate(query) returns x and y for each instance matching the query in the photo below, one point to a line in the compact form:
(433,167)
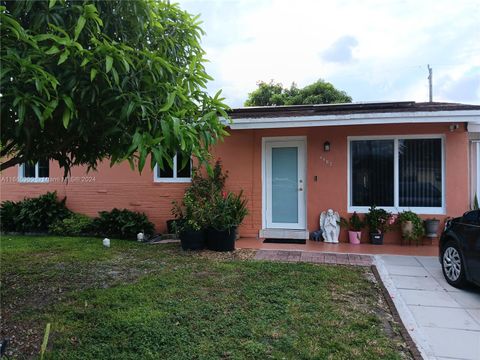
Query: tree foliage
(320,92)
(82,81)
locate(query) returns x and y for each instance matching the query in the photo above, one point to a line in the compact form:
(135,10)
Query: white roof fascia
(472,116)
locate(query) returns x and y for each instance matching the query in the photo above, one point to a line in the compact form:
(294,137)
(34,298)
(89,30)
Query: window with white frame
(34,172)
(397,173)
(478,170)
(180,172)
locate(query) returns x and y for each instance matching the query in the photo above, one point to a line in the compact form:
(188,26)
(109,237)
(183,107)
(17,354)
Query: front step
(283,234)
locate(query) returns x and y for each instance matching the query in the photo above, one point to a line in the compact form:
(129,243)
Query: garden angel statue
(330,226)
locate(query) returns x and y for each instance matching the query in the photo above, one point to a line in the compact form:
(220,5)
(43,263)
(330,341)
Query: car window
(472,217)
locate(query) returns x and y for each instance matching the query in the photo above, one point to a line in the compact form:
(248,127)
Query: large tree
(82,81)
(320,92)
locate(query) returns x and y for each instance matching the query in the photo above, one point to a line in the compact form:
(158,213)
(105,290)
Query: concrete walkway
(443,321)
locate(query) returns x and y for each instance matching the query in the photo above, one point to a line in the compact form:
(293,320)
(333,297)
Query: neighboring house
(293,162)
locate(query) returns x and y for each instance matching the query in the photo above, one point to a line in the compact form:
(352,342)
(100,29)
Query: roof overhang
(473,127)
(471,117)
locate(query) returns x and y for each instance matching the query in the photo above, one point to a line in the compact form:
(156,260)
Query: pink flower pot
(354,237)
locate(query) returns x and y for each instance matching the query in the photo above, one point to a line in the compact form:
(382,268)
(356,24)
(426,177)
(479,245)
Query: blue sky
(374,50)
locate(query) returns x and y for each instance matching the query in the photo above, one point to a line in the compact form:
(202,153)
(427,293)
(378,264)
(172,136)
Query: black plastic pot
(193,240)
(218,240)
(376,238)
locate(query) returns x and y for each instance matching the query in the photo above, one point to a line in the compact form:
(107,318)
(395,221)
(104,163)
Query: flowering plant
(379,220)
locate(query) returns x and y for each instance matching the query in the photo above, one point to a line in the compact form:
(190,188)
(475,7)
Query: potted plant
(225,213)
(190,217)
(192,235)
(355,226)
(172,225)
(190,222)
(379,222)
(411,225)
(431,227)
(208,215)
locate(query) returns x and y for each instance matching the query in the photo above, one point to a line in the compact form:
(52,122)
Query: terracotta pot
(354,237)
(407,228)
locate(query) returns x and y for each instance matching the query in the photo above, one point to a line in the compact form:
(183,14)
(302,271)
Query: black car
(460,250)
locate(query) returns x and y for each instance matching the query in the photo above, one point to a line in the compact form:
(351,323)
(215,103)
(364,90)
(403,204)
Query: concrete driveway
(443,321)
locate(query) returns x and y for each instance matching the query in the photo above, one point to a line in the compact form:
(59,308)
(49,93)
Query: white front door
(284,184)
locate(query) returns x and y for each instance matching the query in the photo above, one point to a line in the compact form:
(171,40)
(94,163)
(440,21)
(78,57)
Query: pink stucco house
(295,161)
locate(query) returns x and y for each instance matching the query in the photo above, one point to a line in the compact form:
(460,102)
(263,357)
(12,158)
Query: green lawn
(137,301)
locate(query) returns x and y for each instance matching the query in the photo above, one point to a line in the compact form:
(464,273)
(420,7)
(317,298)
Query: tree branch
(6,149)
(11,162)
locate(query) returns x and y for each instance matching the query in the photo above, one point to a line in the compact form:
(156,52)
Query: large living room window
(180,172)
(396,173)
(36,172)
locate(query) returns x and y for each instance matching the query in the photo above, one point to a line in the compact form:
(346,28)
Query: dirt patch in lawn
(44,282)
(26,296)
(239,254)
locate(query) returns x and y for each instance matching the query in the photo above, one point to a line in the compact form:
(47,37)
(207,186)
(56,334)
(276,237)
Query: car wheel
(453,266)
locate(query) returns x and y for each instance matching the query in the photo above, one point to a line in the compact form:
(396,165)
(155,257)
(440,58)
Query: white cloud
(465,87)
(341,50)
(251,40)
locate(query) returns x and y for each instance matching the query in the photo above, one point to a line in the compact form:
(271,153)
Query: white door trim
(293,139)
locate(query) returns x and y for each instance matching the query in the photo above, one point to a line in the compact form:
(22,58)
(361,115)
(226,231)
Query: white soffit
(468,116)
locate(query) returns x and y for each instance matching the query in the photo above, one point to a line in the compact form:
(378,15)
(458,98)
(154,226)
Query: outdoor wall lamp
(454,127)
(326,146)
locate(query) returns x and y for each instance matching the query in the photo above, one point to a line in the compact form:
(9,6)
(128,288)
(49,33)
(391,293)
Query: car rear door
(471,233)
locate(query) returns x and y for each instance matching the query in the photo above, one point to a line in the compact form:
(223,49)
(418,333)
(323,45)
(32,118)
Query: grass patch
(137,301)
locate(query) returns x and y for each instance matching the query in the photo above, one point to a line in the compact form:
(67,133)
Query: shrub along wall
(32,214)
(121,224)
(48,214)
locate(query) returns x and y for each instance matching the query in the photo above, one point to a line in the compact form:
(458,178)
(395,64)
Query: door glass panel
(285,185)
